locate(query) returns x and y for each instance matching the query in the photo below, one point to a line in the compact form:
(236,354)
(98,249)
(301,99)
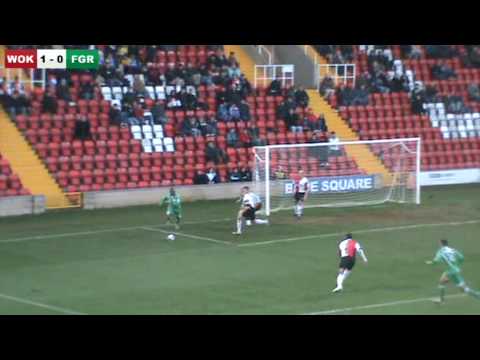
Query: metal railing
(265,74)
(267,53)
(340,73)
(28,78)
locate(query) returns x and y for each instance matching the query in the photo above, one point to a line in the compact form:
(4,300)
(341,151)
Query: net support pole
(267,180)
(419,149)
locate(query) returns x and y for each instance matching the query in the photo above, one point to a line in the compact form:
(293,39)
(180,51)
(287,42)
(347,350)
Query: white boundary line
(37,304)
(365,231)
(373,306)
(93,232)
(187,235)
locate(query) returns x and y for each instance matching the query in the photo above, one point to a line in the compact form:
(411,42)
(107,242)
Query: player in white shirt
(250,203)
(301,193)
(347,250)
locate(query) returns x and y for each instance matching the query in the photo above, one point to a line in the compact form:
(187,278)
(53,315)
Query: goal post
(341,174)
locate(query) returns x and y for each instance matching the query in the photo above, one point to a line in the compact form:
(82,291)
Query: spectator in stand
(246,174)
(245,138)
(200,178)
(234,112)
(158,113)
(313,123)
(223,112)
(255,135)
(473,92)
(191,127)
(139,87)
(474,55)
(202,125)
(232,60)
(174,102)
(417,99)
(327,87)
(212,153)
(275,88)
(246,87)
(334,149)
(301,97)
(82,128)
(441,71)
(188,99)
(63,91)
(232,138)
(234,71)
(49,103)
(415,52)
(16,103)
(244,109)
(293,122)
(235,175)
(212,176)
(115,114)
(211,127)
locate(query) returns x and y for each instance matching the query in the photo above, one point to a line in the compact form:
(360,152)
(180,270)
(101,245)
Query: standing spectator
(212,176)
(234,71)
(232,138)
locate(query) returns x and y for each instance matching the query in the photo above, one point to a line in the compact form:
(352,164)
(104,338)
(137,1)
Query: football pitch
(118,261)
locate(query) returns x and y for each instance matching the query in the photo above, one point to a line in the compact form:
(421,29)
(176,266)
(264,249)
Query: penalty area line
(196,237)
(41,305)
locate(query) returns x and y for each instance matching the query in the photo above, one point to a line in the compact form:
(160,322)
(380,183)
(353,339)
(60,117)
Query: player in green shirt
(453,259)
(174,207)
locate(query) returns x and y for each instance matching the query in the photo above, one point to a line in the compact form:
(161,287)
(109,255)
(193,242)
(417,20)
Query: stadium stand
(10,183)
(147,145)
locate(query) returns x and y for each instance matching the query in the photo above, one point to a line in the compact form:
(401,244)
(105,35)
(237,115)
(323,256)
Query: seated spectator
(174,102)
(473,92)
(235,175)
(234,71)
(82,128)
(223,112)
(16,103)
(212,177)
(275,88)
(49,103)
(293,122)
(232,138)
(200,178)
(415,52)
(158,113)
(256,139)
(245,138)
(188,99)
(301,97)
(244,111)
(234,112)
(280,174)
(63,91)
(211,127)
(115,115)
(86,91)
(138,86)
(334,149)
(212,153)
(327,87)
(442,72)
(246,174)
(191,127)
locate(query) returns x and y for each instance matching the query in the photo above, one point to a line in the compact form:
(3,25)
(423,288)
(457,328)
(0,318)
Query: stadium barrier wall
(150,196)
(449,177)
(22,205)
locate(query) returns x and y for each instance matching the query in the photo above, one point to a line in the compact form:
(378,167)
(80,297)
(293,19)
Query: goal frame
(267,149)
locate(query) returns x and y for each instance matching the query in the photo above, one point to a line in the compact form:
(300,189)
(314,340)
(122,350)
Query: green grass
(137,271)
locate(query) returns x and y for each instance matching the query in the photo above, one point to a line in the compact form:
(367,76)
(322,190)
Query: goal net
(353,173)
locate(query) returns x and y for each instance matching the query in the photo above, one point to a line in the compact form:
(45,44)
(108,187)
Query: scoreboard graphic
(51,59)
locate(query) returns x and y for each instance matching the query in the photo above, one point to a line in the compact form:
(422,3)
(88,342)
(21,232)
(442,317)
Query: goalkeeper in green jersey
(453,259)
(174,207)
